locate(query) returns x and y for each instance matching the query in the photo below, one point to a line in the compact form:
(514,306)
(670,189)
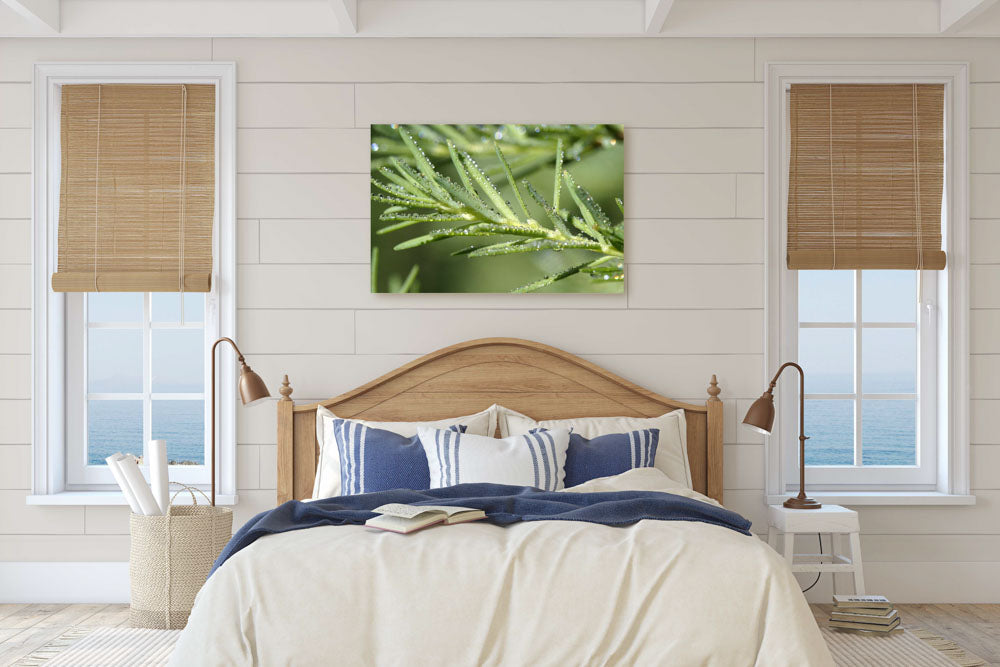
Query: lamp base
(802,504)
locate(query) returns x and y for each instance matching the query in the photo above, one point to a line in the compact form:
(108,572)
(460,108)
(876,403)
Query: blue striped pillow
(610,454)
(372,459)
(535,459)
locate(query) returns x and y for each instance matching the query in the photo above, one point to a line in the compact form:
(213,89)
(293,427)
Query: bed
(545,592)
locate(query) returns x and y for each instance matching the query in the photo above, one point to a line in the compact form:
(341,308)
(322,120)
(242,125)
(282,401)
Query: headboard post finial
(285,390)
(713,389)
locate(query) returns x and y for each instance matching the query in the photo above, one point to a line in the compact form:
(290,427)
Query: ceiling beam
(957,14)
(656,14)
(44,13)
(347,14)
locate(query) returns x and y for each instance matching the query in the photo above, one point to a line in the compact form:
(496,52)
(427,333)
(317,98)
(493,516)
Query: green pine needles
(470,204)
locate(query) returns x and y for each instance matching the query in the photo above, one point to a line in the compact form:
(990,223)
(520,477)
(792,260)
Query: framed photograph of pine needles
(497,208)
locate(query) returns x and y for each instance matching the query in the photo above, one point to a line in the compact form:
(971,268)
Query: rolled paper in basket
(122,482)
(158,474)
(147,503)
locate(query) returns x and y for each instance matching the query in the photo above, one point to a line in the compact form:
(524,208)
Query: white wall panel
(694,241)
(461,60)
(301,195)
(985,245)
(707,151)
(696,286)
(16,246)
(292,331)
(349,286)
(15,151)
(18,56)
(680,195)
(291,105)
(980,53)
(984,100)
(693,111)
(638,331)
(984,196)
(675,375)
(15,105)
(15,196)
(291,151)
(16,419)
(671,105)
(315,241)
(15,286)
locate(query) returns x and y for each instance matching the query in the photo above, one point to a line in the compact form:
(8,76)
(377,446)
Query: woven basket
(170,559)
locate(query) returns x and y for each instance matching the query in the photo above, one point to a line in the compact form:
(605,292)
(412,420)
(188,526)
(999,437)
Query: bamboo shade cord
(137,195)
(866,176)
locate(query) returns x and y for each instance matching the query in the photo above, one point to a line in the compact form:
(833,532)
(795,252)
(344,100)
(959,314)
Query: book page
(450,511)
(406,511)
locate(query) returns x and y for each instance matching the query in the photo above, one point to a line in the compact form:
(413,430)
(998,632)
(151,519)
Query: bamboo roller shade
(866,176)
(137,195)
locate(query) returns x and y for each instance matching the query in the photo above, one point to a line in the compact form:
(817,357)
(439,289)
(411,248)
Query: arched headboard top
(541,381)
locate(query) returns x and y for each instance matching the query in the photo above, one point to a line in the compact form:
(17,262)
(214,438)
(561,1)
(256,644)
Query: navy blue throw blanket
(502,503)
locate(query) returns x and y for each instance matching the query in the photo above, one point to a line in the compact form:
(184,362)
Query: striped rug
(100,647)
(914,648)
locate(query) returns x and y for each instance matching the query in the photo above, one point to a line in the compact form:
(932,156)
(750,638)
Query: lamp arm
(239,356)
(802,394)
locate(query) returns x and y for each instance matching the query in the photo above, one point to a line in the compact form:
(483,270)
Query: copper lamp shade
(760,417)
(252,388)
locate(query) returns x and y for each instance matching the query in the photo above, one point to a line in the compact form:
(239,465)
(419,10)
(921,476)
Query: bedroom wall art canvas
(497,208)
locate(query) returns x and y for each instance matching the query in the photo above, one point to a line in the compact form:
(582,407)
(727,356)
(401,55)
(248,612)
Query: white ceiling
(498,18)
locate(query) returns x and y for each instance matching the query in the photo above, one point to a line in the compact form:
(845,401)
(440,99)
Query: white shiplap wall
(693,110)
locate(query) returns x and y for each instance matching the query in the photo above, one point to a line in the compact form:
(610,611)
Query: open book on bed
(401,518)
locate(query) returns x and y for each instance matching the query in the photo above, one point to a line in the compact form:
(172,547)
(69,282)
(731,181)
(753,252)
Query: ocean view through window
(145,374)
(858,342)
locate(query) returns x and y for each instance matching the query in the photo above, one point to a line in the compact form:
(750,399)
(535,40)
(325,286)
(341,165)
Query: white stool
(832,519)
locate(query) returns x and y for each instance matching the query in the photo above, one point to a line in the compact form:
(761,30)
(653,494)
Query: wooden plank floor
(26,627)
(974,627)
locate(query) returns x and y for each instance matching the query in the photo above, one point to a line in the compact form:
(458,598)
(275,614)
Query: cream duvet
(540,593)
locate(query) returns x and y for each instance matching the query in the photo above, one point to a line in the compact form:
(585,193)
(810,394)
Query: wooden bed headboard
(538,380)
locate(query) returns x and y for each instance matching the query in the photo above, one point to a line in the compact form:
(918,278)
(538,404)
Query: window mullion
(147,374)
(858,389)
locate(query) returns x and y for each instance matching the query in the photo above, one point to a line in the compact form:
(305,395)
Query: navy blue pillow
(609,454)
(372,459)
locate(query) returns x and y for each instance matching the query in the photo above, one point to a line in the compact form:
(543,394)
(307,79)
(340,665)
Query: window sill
(111,498)
(856,498)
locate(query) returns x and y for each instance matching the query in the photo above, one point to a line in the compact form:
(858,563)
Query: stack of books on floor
(864,613)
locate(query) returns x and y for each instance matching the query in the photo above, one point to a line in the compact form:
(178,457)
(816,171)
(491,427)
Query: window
(861,337)
(884,351)
(136,369)
(116,369)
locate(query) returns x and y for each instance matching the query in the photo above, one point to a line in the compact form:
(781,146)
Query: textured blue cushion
(610,454)
(372,459)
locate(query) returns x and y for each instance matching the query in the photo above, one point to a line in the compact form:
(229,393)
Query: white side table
(832,519)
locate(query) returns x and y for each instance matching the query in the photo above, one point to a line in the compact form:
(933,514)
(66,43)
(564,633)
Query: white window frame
(948,483)
(83,477)
(49,337)
(923,475)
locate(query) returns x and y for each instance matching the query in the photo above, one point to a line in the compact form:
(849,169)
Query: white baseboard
(58,582)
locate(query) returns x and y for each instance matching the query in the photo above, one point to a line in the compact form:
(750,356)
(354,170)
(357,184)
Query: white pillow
(327,482)
(535,459)
(671,452)
(639,479)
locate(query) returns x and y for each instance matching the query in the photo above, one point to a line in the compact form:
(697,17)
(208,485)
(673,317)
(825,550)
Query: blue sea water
(888,426)
(116,426)
(888,432)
